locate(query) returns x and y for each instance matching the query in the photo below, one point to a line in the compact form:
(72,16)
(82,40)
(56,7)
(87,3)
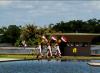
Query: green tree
(89,26)
(11,34)
(29,33)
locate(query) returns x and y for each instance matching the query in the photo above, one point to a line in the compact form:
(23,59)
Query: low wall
(20,50)
(17,48)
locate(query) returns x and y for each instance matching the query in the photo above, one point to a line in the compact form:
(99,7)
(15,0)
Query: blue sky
(42,13)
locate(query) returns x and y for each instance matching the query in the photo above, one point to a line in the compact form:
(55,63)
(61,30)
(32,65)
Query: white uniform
(39,47)
(49,48)
(57,48)
(40,51)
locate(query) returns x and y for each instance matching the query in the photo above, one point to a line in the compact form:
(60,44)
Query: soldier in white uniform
(49,51)
(58,52)
(40,51)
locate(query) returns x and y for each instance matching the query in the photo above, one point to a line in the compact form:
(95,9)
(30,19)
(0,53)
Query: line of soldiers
(49,52)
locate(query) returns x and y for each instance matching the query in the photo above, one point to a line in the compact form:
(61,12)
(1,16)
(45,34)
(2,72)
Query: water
(44,66)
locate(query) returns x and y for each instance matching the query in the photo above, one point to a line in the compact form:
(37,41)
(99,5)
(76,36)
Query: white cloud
(23,6)
(95,4)
(5,2)
(49,10)
(45,8)
(91,5)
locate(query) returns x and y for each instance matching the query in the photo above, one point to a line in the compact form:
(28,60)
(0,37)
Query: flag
(64,39)
(53,38)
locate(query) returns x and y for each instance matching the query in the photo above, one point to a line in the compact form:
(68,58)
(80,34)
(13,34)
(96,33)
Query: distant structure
(95,50)
(78,44)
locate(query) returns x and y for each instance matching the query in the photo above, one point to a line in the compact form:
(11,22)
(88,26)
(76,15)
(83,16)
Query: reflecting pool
(44,66)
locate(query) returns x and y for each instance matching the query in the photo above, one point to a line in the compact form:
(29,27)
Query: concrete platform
(94,64)
(8,59)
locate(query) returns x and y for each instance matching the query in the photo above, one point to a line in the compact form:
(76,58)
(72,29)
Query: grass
(30,56)
(80,58)
(18,56)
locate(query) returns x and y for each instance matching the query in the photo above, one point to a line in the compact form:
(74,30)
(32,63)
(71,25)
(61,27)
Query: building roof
(95,34)
(77,37)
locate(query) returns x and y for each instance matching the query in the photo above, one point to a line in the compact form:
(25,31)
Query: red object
(64,39)
(53,38)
